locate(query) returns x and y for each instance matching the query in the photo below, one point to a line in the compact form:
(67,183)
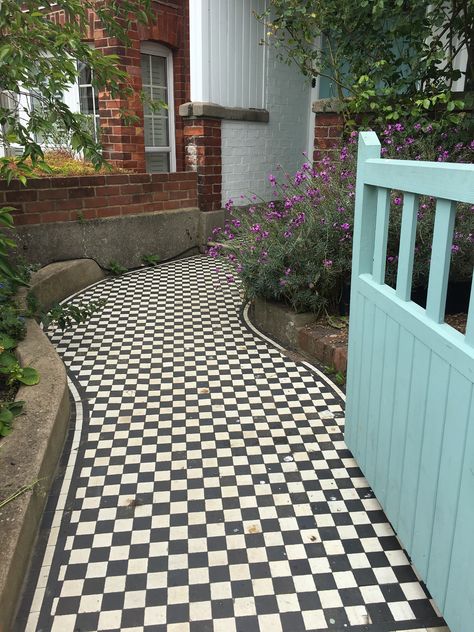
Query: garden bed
(316,339)
(30,454)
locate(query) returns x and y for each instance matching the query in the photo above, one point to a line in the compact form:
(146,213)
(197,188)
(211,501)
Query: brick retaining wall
(79,198)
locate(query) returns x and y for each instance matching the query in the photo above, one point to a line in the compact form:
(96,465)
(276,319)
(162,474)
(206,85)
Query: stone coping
(31,453)
(198,109)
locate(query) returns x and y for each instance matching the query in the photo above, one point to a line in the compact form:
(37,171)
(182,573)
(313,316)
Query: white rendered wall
(227,60)
(250,151)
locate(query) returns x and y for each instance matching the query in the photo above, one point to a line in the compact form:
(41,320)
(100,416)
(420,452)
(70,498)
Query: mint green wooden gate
(410,408)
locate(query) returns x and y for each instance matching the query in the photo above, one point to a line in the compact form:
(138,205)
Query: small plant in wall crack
(66,315)
(151,260)
(115,268)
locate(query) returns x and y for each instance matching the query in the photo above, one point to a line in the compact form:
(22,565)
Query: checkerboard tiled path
(206,485)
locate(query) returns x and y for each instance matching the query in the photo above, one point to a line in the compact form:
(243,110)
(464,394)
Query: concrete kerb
(318,342)
(31,453)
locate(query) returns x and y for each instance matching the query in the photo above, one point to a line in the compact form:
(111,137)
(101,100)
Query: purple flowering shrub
(297,248)
(426,142)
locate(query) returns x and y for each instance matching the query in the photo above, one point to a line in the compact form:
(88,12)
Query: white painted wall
(230,67)
(250,151)
(227,61)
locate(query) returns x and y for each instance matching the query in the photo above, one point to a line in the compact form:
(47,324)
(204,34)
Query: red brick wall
(328,131)
(123,144)
(87,197)
(204,155)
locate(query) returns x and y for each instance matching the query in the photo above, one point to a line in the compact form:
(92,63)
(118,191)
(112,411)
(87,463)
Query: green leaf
(16,407)
(7,342)
(29,376)
(7,362)
(6,416)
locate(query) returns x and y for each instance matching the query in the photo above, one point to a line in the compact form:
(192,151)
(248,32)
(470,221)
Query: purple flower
(236,222)
(213,251)
(288,272)
(455,248)
(230,278)
(283,282)
(345,226)
(287,234)
(229,205)
(265,234)
(298,220)
(272,180)
(255,228)
(397,200)
(216,230)
(327,263)
(299,177)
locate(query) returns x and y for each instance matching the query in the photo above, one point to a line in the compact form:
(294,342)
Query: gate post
(362,254)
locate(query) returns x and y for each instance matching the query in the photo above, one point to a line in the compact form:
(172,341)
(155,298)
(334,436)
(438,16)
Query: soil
(7,393)
(458,321)
(341,336)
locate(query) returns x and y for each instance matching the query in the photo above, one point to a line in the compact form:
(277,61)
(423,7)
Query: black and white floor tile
(205,485)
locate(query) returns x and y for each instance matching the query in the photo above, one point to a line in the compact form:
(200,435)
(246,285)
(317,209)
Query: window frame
(158,50)
(95,95)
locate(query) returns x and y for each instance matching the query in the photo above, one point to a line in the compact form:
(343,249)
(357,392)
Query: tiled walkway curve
(206,483)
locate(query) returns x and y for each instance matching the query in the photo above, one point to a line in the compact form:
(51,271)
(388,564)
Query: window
(157,84)
(88,96)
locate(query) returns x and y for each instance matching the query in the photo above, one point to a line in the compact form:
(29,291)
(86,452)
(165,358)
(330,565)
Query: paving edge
(290,329)
(31,453)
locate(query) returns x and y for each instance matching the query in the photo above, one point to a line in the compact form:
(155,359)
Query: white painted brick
(250,151)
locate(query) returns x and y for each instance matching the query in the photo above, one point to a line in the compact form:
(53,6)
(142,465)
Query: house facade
(234,111)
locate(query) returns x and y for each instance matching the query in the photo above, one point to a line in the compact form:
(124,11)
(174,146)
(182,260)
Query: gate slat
(440,260)
(414,438)
(435,415)
(355,356)
(377,363)
(469,337)
(460,594)
(449,481)
(400,418)
(406,253)
(381,235)
(384,442)
(364,381)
